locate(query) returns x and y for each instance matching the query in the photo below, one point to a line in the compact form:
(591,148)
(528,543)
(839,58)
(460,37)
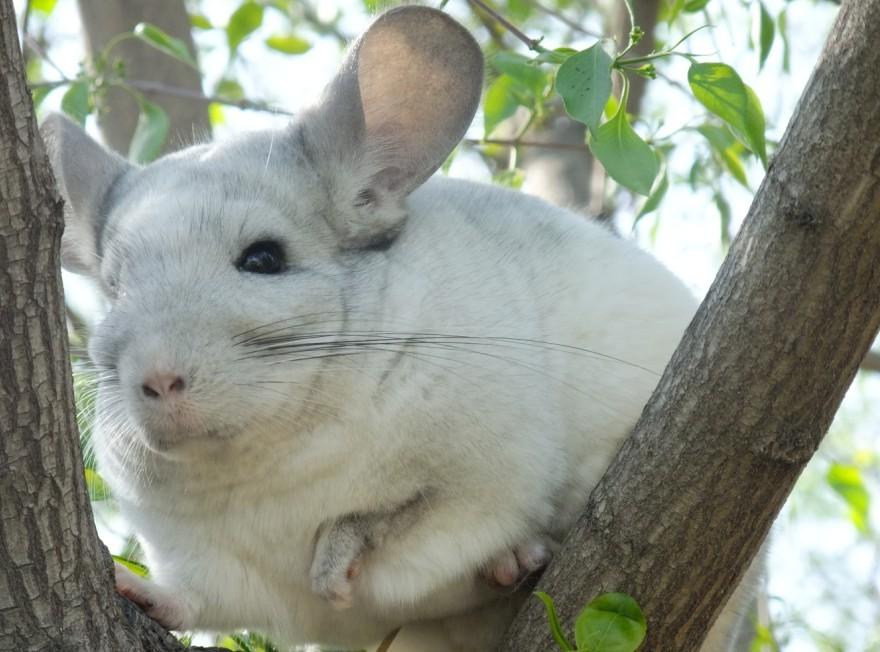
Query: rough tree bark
(104,19)
(754,385)
(56,578)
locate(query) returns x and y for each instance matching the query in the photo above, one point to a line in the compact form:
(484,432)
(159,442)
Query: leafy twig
(532,44)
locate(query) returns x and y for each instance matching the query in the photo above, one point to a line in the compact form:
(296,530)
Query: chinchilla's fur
(326,381)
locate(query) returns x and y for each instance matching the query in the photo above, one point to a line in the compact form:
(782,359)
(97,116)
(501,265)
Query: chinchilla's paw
(334,581)
(509,568)
(157,602)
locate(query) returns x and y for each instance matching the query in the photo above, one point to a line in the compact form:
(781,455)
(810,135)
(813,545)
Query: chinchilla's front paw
(510,567)
(337,562)
(335,583)
(157,602)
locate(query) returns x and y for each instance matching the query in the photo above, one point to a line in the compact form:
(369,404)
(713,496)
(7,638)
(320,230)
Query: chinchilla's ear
(85,172)
(401,102)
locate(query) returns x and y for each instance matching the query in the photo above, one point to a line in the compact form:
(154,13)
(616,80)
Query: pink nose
(163,385)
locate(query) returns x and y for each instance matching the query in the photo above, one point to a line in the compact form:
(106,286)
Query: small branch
(496,33)
(532,44)
(34,45)
(311,16)
(164,89)
(513,142)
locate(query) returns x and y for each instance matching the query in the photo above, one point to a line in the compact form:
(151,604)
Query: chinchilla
(336,396)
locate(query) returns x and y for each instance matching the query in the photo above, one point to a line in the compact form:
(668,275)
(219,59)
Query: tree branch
(755,383)
(532,44)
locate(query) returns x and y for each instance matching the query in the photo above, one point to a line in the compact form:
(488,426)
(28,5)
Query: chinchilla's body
(302,329)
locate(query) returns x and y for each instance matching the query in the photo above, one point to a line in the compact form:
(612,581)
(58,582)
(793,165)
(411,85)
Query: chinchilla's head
(228,267)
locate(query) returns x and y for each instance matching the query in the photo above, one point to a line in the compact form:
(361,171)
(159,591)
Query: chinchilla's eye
(263,257)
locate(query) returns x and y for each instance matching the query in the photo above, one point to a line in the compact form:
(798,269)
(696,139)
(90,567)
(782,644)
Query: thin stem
(632,28)
(174,91)
(51,84)
(164,89)
(512,142)
(532,44)
(36,47)
(113,42)
(632,17)
(655,55)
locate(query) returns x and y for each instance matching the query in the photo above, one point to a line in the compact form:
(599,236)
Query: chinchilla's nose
(161,385)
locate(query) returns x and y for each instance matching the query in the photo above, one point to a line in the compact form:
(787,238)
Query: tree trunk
(104,19)
(756,381)
(56,579)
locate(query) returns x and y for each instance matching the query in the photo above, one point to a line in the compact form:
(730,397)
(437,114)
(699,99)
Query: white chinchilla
(328,381)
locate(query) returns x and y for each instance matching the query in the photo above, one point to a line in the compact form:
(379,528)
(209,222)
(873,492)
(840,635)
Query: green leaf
(200,21)
(499,103)
(216,114)
(553,621)
(157,38)
(720,89)
(134,566)
(288,43)
(693,6)
(39,94)
(509,178)
(243,22)
(75,102)
(782,27)
(725,216)
(726,148)
(670,10)
(846,481)
(229,89)
(627,159)
(149,133)
(557,55)
(522,70)
(766,34)
(98,489)
(45,7)
(584,82)
(658,192)
(613,622)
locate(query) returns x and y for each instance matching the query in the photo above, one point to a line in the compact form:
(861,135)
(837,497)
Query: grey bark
(104,19)
(755,383)
(56,578)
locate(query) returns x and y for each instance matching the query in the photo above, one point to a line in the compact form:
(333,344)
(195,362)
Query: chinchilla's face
(229,268)
(212,270)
